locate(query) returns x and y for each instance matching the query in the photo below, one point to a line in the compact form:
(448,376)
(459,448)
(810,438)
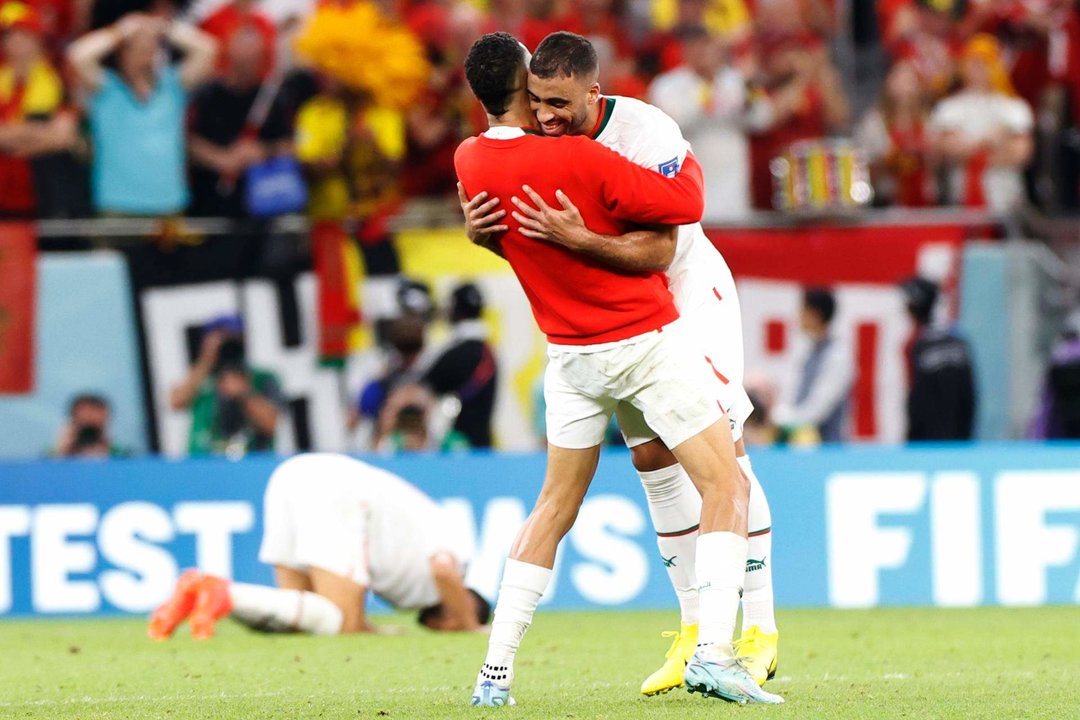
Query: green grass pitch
(890,663)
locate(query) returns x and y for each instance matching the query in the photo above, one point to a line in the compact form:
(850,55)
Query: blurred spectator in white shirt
(983,134)
(707,97)
(819,391)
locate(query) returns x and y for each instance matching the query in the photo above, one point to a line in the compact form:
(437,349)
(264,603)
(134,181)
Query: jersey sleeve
(653,139)
(636,194)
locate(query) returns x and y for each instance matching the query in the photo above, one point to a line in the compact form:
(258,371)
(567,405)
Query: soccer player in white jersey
(333,528)
(566,99)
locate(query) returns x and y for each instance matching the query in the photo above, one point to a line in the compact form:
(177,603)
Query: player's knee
(651,456)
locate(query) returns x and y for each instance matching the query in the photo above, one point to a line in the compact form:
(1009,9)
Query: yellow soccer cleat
(670,674)
(758,651)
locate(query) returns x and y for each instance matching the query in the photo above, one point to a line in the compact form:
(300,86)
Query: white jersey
(645,135)
(359,521)
(699,277)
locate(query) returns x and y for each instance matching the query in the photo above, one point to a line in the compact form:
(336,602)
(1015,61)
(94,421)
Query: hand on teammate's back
(481,220)
(562,226)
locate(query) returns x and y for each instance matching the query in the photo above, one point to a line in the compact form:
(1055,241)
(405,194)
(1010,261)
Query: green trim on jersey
(605,117)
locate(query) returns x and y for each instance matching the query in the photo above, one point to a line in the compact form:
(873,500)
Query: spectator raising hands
(137,111)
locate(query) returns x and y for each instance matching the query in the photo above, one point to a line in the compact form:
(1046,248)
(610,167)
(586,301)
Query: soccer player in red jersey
(613,338)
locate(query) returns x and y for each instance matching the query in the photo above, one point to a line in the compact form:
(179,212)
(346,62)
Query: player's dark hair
(821,301)
(491,68)
(482,607)
(564,54)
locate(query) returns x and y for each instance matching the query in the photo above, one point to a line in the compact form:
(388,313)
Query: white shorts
(307,524)
(714,325)
(658,373)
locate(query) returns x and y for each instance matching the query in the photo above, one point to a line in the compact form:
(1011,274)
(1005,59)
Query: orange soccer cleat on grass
(174,610)
(212,602)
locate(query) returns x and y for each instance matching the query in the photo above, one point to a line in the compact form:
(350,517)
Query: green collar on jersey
(607,107)
(530,131)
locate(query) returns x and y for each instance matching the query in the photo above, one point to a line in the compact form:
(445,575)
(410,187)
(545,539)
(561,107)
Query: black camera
(88,436)
(231,355)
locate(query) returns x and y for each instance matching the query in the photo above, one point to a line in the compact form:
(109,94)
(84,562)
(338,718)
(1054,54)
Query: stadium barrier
(936,525)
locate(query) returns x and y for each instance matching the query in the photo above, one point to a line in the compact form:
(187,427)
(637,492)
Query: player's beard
(560,126)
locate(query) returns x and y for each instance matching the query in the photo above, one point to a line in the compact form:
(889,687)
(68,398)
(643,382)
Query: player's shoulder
(467,151)
(628,110)
(466,145)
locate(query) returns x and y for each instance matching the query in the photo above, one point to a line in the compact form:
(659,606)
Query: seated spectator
(32,124)
(799,96)
(136,112)
(86,433)
(408,423)
(234,406)
(1059,411)
(893,139)
(223,23)
(983,133)
(818,394)
(404,338)
(466,369)
(707,97)
(941,403)
(225,139)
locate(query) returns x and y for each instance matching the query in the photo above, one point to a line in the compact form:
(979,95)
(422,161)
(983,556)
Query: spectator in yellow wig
(983,133)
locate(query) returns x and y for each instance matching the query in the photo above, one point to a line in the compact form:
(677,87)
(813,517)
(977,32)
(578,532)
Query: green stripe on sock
(679,533)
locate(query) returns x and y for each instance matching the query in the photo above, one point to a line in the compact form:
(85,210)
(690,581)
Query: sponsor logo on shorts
(670,168)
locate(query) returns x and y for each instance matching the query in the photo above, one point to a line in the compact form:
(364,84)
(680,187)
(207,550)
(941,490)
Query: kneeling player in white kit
(566,99)
(334,528)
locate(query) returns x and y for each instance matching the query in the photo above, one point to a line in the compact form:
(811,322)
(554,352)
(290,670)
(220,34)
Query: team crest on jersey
(670,168)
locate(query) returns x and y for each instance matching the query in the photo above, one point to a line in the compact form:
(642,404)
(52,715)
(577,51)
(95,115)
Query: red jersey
(577,300)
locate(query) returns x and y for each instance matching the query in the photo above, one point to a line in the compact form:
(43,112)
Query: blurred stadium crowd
(238,108)
(349,112)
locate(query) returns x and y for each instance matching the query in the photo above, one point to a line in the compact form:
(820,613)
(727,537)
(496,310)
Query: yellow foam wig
(366,51)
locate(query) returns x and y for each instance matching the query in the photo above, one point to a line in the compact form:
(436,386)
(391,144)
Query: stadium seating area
(372,133)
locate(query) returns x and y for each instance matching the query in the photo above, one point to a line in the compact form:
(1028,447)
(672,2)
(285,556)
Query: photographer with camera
(234,407)
(86,433)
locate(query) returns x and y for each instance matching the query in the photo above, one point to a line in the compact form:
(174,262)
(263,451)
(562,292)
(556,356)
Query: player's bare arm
(646,250)
(458,611)
(482,220)
(348,596)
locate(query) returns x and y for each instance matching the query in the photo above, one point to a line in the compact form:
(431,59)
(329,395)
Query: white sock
(675,508)
(272,609)
(757,600)
(522,586)
(721,563)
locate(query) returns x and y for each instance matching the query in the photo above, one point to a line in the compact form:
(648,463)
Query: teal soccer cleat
(714,675)
(492,691)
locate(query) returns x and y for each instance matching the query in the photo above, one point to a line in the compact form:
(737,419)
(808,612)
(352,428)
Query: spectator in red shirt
(528,20)
(800,97)
(31,96)
(598,21)
(229,18)
(893,139)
